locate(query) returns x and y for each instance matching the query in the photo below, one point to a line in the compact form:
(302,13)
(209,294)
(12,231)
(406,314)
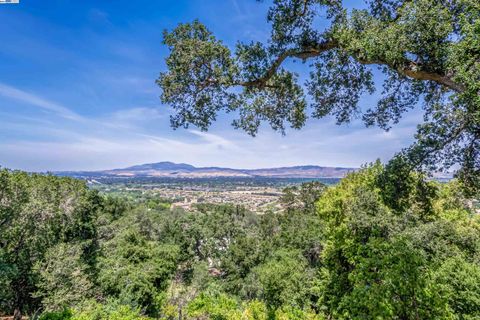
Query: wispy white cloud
(214,139)
(137,114)
(88,149)
(141,134)
(94,152)
(131,118)
(34,100)
(98,16)
(237,7)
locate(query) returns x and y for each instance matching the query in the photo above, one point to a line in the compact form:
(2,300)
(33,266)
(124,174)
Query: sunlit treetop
(427,50)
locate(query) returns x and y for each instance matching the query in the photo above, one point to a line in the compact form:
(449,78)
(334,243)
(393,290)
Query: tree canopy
(428,52)
(345,251)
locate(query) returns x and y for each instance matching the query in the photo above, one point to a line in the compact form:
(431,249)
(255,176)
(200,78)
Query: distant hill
(183,170)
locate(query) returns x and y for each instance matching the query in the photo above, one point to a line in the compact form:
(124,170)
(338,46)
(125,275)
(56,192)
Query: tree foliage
(36,213)
(428,53)
(347,251)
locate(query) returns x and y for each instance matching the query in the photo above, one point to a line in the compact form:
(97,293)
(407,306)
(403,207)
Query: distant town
(258,199)
(257,195)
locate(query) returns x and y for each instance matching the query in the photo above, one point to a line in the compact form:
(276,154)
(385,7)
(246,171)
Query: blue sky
(77,92)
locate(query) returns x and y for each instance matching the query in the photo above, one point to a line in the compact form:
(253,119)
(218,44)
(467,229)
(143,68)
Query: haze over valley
(182,170)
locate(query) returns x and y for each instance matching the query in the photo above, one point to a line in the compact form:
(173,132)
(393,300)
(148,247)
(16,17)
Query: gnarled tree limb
(410,69)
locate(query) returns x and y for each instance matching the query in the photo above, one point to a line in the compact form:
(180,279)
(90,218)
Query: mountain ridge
(169,169)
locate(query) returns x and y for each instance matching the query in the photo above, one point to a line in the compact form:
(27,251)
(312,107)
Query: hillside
(182,170)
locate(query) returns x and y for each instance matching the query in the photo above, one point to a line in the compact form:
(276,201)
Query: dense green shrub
(356,256)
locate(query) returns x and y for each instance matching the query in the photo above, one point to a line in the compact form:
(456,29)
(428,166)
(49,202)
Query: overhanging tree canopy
(428,51)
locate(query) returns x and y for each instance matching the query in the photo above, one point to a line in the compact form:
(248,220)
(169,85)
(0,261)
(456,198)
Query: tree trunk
(17,314)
